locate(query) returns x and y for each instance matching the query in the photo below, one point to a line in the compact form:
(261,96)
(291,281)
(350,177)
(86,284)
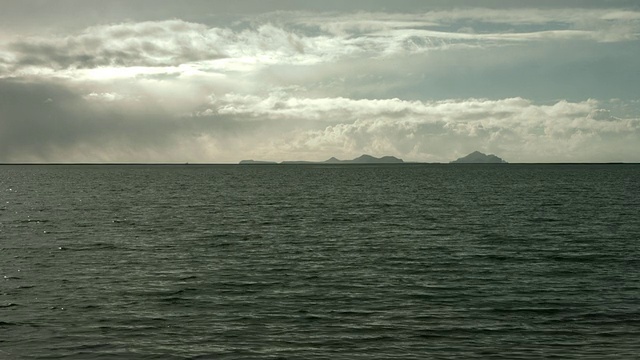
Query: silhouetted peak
(371,159)
(363,159)
(477,157)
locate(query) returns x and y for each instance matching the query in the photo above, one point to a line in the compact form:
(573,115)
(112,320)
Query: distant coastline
(255,162)
(407,163)
(475,157)
(363,159)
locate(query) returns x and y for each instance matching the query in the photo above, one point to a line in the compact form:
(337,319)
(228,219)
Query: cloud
(434,130)
(135,44)
(308,38)
(98,127)
(106,97)
(80,127)
(421,85)
(283,105)
(564,23)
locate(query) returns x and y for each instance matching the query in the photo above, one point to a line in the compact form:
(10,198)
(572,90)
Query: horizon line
(303,163)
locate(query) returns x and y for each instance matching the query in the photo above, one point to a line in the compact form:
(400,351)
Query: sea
(413,261)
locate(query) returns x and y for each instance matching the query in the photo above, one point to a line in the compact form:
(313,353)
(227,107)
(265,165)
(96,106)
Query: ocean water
(319,262)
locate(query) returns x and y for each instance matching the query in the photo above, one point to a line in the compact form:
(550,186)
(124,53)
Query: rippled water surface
(326,262)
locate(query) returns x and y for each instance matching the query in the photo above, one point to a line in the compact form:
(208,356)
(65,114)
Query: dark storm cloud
(50,122)
(40,119)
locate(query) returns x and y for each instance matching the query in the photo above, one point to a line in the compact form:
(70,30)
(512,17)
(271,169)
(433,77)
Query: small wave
(82,347)
(89,307)
(8,305)
(628,318)
(123,221)
(544,220)
(36,221)
(312,318)
(423,295)
(352,312)
(430,335)
(173,299)
(535,310)
(96,246)
(185,290)
(576,257)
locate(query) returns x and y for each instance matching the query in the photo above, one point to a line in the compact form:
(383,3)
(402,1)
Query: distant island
(364,159)
(477,157)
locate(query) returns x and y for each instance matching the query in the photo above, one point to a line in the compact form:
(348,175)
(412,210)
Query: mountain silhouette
(363,159)
(477,157)
(368,159)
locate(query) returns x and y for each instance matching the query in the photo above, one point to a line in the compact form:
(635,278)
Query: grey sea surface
(319,261)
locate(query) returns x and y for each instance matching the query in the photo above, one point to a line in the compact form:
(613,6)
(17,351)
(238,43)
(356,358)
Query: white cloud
(436,130)
(284,106)
(596,24)
(285,38)
(105,97)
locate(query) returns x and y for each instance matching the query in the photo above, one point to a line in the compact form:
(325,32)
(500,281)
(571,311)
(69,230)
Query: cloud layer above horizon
(547,84)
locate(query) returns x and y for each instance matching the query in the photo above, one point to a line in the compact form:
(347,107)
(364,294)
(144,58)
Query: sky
(221,81)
